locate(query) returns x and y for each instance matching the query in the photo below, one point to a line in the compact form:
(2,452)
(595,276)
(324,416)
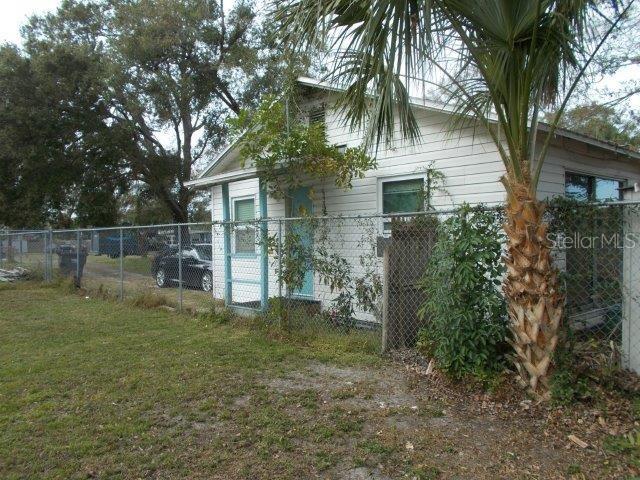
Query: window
(341,149)
(189,252)
(590,188)
(244,233)
(403,196)
(204,252)
(316,115)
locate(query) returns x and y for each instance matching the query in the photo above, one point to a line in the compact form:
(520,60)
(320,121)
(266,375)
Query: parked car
(110,245)
(196,267)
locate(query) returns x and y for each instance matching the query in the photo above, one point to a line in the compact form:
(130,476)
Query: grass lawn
(131,263)
(96,389)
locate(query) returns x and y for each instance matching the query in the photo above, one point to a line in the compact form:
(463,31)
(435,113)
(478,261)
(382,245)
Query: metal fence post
(280,260)
(121,265)
(50,255)
(21,239)
(44,257)
(78,259)
(213,236)
(180,268)
(1,244)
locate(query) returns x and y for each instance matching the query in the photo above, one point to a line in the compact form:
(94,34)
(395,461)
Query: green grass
(627,445)
(131,263)
(90,387)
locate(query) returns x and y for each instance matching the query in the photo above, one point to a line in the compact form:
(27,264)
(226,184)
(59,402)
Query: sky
(14,13)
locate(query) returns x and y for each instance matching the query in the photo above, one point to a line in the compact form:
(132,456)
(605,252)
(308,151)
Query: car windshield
(204,251)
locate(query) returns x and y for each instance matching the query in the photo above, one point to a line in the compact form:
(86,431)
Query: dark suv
(196,267)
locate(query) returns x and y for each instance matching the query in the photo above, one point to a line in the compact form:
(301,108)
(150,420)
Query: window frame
(234,200)
(593,178)
(189,252)
(381,181)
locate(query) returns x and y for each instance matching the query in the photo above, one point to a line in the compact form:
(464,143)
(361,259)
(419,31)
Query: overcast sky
(14,13)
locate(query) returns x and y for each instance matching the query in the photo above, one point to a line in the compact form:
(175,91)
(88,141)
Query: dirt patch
(408,419)
(362,387)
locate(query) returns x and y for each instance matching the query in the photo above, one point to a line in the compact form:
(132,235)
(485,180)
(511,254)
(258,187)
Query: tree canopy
(604,122)
(60,154)
(148,83)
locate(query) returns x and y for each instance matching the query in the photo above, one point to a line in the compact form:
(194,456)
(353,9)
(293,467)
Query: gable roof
(227,152)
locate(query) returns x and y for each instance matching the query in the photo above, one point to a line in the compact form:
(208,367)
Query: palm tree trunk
(532,289)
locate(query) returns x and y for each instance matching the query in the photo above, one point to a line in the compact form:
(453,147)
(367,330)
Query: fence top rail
(23,233)
(256,221)
(371,216)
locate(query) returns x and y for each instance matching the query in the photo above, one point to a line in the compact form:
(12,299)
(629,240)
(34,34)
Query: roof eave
(210,181)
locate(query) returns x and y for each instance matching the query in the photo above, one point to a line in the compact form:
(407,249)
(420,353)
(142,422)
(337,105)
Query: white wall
(571,156)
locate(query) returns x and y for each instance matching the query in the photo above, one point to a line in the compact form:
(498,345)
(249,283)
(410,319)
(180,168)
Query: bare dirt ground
(443,433)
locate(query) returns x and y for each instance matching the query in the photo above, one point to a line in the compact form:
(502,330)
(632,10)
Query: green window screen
(403,196)
(245,235)
(244,210)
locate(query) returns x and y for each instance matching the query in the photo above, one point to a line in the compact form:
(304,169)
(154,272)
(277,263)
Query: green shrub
(465,312)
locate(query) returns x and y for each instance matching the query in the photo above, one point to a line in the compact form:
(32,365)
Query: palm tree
(500,62)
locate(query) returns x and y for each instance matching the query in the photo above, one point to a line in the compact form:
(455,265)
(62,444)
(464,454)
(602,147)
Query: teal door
(302,206)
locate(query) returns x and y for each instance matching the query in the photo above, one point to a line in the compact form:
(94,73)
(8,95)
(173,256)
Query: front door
(302,206)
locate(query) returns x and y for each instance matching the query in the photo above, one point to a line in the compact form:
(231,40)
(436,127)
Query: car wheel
(207,282)
(161,278)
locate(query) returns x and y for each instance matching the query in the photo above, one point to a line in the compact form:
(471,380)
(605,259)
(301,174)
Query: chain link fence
(346,274)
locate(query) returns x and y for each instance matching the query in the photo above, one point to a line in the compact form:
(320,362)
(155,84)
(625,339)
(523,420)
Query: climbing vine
(288,151)
(355,282)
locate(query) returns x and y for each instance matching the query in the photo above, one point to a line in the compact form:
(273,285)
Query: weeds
(627,445)
(218,315)
(567,384)
(151,300)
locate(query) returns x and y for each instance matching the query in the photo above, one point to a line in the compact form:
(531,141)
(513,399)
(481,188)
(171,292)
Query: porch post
(264,251)
(226,218)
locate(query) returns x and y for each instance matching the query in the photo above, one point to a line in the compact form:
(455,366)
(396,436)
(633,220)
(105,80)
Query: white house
(245,275)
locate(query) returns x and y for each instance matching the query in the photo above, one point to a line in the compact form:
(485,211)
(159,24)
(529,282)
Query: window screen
(245,234)
(403,196)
